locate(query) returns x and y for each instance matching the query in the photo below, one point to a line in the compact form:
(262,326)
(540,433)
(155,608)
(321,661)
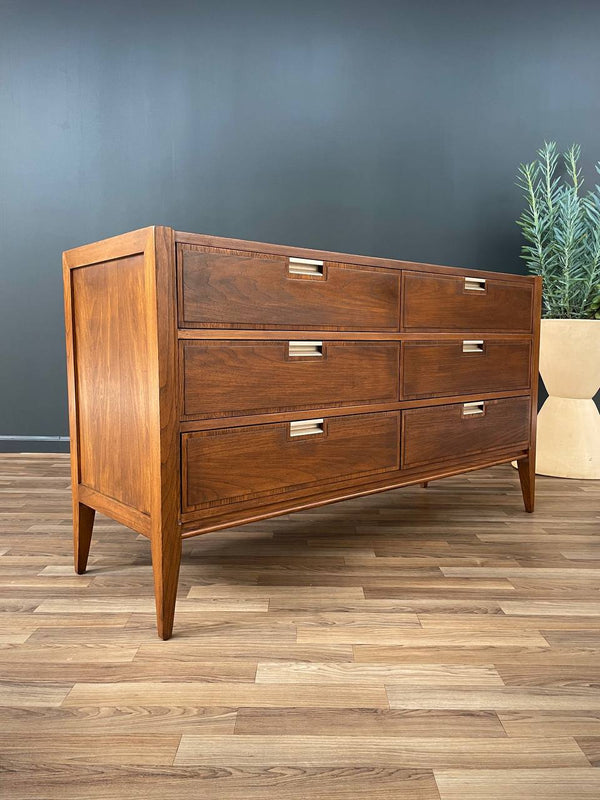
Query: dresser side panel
(111,330)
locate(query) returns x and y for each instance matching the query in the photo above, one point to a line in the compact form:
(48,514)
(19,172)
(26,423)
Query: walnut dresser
(213,382)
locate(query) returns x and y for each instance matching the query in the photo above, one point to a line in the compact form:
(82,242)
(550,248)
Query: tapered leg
(527,477)
(166,557)
(425,484)
(83,523)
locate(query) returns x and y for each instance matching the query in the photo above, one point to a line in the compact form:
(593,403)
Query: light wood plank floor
(423,644)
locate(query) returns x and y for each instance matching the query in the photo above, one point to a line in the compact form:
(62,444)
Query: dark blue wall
(386,128)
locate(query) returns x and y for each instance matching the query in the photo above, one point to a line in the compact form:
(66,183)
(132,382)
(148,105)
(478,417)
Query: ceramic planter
(568,428)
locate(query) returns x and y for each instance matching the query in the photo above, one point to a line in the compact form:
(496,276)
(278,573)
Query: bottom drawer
(254,462)
(443,433)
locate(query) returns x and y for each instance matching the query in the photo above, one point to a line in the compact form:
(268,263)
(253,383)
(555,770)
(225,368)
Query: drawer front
(444,433)
(224,378)
(448,303)
(259,462)
(437,369)
(227,289)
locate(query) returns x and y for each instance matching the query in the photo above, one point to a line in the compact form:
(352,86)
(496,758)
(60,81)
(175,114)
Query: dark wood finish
(209,423)
(219,517)
(111,331)
(100,471)
(228,289)
(165,532)
(527,465)
(348,448)
(432,636)
(182,395)
(444,433)
(226,378)
(83,524)
(134,519)
(437,369)
(203,240)
(526,468)
(354,336)
(120,309)
(441,302)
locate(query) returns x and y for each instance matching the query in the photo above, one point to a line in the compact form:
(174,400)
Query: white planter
(568,427)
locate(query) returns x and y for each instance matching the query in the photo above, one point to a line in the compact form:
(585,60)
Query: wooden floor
(423,643)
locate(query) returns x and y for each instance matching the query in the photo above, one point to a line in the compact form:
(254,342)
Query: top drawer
(456,303)
(231,289)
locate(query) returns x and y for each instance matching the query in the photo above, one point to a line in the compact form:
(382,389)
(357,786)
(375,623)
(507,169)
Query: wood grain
(137,380)
(322,655)
(232,783)
(232,289)
(375,722)
(347,448)
(236,694)
(382,751)
(229,378)
(442,368)
(203,240)
(506,699)
(440,302)
(502,784)
(431,435)
(426,674)
(111,329)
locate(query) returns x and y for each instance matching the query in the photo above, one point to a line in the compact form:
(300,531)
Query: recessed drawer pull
(473,409)
(475,284)
(472,346)
(299,349)
(306,427)
(305,266)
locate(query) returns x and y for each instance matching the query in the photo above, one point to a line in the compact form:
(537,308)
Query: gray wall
(387,128)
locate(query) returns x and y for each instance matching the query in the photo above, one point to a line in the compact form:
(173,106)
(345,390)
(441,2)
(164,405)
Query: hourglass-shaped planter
(568,426)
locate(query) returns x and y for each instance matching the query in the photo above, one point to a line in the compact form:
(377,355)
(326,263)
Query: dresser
(214,382)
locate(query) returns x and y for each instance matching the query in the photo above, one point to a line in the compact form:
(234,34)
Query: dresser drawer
(231,465)
(443,433)
(224,378)
(449,303)
(229,289)
(437,369)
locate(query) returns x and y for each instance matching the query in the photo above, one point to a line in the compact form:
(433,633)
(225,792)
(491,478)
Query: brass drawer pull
(473,409)
(305,349)
(306,427)
(305,266)
(472,346)
(475,284)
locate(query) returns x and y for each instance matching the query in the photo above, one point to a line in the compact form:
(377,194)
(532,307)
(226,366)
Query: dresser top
(181,237)
(205,240)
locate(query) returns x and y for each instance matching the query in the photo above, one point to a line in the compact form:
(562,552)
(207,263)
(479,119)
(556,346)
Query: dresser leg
(166,557)
(527,477)
(425,484)
(83,523)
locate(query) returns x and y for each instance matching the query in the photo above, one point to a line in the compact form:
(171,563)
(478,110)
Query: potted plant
(561,226)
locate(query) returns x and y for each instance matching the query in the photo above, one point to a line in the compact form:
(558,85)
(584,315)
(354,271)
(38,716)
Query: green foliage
(561,227)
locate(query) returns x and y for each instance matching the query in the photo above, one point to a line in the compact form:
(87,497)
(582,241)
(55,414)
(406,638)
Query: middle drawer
(223,378)
(455,367)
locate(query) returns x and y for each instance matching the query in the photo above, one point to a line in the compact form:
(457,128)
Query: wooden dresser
(213,382)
